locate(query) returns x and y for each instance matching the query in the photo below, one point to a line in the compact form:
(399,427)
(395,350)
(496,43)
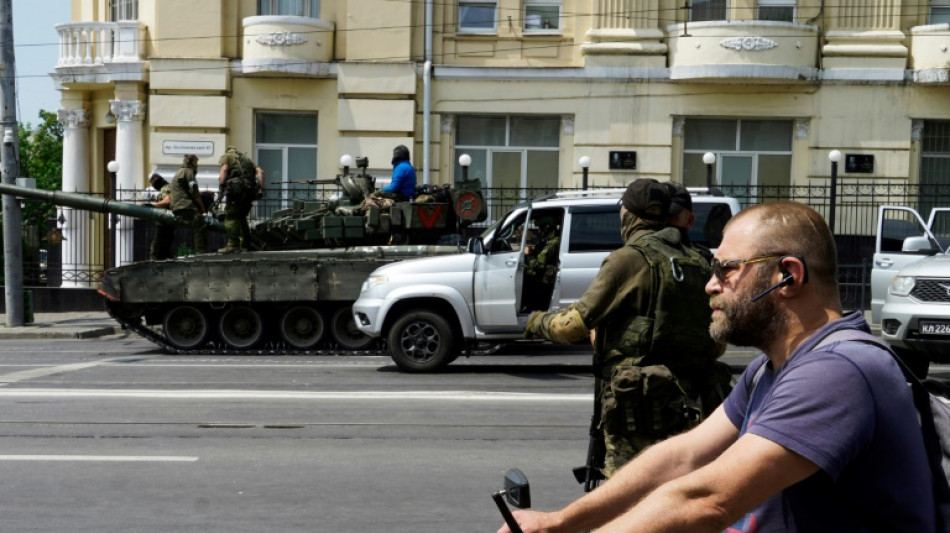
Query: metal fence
(855,227)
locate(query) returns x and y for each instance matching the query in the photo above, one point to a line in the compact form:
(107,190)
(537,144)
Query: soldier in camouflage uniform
(237,179)
(186,201)
(650,314)
(164,233)
(541,262)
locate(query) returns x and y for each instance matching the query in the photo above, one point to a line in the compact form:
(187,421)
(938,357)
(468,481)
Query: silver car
(915,312)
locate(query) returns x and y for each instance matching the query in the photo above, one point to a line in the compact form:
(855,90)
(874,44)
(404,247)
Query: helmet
(400,154)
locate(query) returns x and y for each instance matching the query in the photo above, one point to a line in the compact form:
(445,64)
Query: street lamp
(464,161)
(709,159)
(346,162)
(835,157)
(584,162)
(113,168)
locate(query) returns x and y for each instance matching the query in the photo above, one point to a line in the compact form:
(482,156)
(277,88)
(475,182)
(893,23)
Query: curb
(33,332)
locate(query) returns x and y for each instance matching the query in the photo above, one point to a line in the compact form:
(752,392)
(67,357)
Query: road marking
(297,395)
(24,375)
(105,458)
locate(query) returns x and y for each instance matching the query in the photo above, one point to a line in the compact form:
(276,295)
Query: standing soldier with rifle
(186,201)
(243,183)
(650,315)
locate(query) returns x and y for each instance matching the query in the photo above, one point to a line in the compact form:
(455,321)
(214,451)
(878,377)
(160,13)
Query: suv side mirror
(918,245)
(476,246)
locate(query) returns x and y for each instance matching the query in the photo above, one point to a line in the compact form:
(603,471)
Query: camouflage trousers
(642,405)
(235,223)
(197,223)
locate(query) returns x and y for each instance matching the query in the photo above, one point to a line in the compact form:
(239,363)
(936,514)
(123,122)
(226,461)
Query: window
(286,148)
(296,8)
(542,16)
(701,10)
(595,229)
(123,10)
(477,16)
(779,10)
(939,11)
(509,152)
(749,154)
(934,164)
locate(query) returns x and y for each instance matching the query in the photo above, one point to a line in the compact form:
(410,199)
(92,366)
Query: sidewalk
(73,325)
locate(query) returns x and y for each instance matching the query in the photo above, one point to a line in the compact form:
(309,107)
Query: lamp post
(584,162)
(835,157)
(464,161)
(346,161)
(709,159)
(113,168)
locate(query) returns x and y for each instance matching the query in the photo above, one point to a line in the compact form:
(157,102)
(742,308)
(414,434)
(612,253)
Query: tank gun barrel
(101,205)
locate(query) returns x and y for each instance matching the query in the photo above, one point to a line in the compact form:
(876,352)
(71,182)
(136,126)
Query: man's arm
(663,462)
(223,174)
(717,495)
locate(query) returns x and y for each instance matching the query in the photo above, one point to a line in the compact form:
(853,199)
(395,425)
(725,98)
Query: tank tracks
(137,325)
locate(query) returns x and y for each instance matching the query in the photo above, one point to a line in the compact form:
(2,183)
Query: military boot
(229,249)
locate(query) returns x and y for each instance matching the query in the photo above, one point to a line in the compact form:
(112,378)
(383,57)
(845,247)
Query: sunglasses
(722,268)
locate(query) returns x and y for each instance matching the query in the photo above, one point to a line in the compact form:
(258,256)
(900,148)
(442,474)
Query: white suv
(433,309)
(910,285)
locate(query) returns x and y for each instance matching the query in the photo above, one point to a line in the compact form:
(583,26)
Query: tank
(293,292)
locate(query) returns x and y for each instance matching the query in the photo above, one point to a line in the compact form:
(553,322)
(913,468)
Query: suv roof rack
(589,193)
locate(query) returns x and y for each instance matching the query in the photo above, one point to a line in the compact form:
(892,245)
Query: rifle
(590,475)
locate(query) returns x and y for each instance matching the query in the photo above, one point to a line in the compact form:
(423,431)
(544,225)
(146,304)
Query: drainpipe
(427,94)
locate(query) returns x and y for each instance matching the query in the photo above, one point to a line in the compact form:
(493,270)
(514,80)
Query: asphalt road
(111,435)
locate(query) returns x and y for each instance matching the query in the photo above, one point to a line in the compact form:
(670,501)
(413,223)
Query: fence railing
(856,226)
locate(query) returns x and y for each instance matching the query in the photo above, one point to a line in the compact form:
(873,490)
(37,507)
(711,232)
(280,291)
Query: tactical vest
(242,177)
(675,329)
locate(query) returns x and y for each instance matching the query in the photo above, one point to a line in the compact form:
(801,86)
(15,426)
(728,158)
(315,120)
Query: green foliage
(41,158)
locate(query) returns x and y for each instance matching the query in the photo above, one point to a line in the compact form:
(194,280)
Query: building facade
(644,88)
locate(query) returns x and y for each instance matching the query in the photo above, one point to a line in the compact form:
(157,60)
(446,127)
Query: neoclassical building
(526,87)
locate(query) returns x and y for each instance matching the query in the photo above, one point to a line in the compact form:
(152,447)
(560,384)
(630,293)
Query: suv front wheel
(422,341)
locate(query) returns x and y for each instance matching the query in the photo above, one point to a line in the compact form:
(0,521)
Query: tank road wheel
(186,327)
(302,327)
(241,327)
(422,341)
(345,331)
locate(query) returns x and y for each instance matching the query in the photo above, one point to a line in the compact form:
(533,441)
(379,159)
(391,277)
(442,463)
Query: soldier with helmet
(242,181)
(650,315)
(186,202)
(164,233)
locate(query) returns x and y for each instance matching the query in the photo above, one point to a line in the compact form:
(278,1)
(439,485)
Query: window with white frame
(542,16)
(779,10)
(939,11)
(510,152)
(295,8)
(749,153)
(478,16)
(286,149)
(123,10)
(701,10)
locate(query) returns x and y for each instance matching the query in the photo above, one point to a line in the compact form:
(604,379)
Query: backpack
(242,179)
(933,411)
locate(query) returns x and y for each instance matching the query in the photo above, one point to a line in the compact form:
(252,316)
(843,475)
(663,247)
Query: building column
(75,247)
(625,33)
(129,154)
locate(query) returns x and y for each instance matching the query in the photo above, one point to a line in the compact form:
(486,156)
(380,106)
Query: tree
(41,157)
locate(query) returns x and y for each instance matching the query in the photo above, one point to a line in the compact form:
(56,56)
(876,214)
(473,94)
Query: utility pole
(10,170)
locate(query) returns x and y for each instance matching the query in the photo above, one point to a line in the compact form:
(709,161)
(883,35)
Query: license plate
(934,328)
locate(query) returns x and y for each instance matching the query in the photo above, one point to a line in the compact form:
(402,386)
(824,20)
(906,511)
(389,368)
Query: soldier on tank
(186,201)
(242,181)
(164,233)
(402,186)
(650,315)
